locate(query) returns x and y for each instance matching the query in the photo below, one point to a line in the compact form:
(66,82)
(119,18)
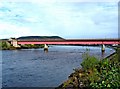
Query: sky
(69,19)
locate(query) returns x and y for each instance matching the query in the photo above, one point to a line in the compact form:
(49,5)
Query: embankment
(101,74)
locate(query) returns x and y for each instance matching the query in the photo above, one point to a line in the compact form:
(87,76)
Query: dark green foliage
(96,74)
(38,37)
(32,46)
(106,72)
(108,75)
(5,45)
(89,61)
(118,53)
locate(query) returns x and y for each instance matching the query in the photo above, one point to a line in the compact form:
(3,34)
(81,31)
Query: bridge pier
(103,48)
(45,48)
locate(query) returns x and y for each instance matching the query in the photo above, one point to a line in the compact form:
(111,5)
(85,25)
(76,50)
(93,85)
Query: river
(35,68)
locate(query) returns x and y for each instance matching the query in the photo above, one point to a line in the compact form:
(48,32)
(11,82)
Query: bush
(89,61)
(105,73)
(5,45)
(96,74)
(109,75)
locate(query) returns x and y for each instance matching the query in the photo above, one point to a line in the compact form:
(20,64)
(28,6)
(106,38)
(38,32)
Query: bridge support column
(45,48)
(103,48)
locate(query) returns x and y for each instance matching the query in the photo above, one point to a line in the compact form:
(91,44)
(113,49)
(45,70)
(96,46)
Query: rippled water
(35,68)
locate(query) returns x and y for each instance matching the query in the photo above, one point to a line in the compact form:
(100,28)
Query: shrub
(89,61)
(108,75)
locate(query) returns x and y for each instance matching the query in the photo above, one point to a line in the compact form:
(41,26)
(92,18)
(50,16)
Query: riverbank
(5,45)
(95,73)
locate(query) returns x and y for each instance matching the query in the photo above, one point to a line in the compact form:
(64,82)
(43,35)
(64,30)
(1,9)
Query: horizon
(81,20)
(60,37)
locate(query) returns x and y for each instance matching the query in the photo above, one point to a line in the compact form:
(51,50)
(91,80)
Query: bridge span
(72,41)
(102,42)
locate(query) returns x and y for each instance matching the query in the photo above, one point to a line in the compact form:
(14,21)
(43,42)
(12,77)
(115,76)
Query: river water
(35,68)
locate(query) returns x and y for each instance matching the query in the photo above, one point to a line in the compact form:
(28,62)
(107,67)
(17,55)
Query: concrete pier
(45,48)
(103,48)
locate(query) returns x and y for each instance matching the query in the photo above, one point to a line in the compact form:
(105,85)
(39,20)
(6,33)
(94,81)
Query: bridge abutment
(14,42)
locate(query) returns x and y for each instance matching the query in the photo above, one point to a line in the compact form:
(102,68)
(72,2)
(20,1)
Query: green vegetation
(89,62)
(108,74)
(96,73)
(39,37)
(4,45)
(32,46)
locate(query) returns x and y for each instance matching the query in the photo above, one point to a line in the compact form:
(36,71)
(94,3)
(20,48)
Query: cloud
(7,30)
(44,1)
(66,19)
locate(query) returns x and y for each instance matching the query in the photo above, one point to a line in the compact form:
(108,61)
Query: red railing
(78,41)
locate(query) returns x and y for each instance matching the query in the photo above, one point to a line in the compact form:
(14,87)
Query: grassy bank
(95,73)
(5,45)
(29,46)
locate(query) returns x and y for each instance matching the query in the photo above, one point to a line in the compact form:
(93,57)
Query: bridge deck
(72,41)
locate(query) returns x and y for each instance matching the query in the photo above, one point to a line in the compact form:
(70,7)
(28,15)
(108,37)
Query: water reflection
(46,50)
(103,54)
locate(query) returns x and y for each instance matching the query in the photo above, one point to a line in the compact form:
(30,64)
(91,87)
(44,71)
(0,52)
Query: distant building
(13,41)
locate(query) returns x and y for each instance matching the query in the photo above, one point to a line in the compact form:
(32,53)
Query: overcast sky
(66,19)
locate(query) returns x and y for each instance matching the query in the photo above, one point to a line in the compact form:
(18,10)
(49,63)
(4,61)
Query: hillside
(39,37)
